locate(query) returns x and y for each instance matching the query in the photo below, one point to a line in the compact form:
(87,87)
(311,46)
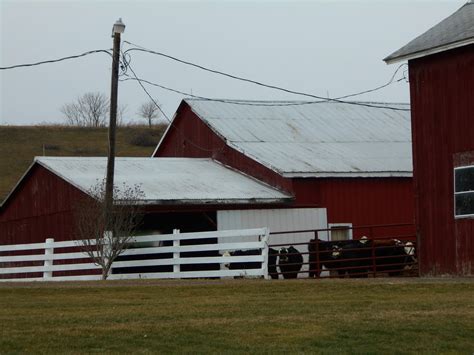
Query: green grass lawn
(19,145)
(383,316)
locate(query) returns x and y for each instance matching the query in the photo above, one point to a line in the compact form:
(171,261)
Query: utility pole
(118,29)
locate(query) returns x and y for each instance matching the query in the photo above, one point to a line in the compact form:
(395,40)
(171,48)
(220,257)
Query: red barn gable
(441,63)
(354,160)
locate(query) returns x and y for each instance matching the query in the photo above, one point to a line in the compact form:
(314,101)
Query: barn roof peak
(457,30)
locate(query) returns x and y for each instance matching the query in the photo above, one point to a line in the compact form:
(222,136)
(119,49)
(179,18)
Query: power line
(228,101)
(56,60)
(143,49)
(391,81)
(128,66)
(262,103)
(128,58)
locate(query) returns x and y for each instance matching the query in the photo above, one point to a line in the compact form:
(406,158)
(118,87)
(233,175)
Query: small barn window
(464,191)
(340,231)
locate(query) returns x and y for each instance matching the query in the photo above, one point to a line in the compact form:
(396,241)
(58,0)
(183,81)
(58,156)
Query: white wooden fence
(44,253)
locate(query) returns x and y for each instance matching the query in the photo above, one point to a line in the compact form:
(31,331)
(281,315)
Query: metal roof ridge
(318,142)
(43,158)
(329,101)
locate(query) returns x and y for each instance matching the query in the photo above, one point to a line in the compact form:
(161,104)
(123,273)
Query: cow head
(398,242)
(336,251)
(283,255)
(410,249)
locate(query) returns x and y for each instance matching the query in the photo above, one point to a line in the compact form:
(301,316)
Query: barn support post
(48,257)
(176,265)
(265,254)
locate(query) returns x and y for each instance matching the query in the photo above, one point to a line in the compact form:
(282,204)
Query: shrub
(51,147)
(144,139)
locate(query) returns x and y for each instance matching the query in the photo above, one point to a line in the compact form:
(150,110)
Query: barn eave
(431,51)
(216,202)
(369,174)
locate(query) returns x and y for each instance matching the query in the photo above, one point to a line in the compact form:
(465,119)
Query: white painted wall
(278,220)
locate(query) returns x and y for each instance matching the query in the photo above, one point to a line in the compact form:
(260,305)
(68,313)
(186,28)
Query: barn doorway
(165,223)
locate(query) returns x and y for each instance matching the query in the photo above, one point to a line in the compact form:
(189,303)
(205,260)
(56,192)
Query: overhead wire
(128,66)
(57,60)
(255,82)
(229,101)
(265,103)
(257,102)
(391,81)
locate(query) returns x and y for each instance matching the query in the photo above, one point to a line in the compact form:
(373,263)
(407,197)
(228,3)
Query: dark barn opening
(166,223)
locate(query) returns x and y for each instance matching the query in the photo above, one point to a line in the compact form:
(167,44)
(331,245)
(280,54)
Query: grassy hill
(20,144)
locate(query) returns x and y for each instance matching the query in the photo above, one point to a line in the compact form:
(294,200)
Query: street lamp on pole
(117,30)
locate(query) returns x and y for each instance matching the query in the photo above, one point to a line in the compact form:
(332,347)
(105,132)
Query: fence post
(374,261)
(48,260)
(318,266)
(265,254)
(176,266)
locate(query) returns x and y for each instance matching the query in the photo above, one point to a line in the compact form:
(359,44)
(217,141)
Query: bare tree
(89,110)
(103,241)
(149,111)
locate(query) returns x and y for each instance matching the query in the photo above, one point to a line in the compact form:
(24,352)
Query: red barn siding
(40,208)
(442,107)
(360,201)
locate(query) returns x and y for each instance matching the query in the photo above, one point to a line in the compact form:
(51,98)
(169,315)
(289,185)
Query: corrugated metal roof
(324,139)
(167,180)
(455,31)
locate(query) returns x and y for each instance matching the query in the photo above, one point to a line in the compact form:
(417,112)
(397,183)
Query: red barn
(353,159)
(441,65)
(177,193)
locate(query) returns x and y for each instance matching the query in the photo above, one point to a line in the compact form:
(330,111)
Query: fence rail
(173,256)
(56,266)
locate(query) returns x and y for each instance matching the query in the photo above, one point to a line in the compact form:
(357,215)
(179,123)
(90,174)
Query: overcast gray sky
(321,47)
